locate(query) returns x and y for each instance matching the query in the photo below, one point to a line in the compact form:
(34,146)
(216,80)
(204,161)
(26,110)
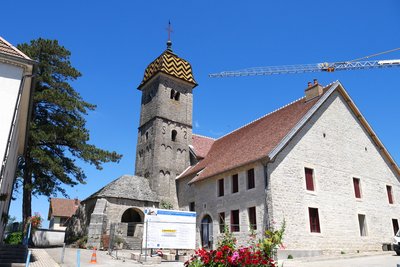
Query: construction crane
(354,64)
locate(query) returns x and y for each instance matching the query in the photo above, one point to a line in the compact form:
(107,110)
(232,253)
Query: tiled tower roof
(171,64)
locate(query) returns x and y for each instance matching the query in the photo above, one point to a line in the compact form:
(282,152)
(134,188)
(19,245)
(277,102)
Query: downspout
(267,204)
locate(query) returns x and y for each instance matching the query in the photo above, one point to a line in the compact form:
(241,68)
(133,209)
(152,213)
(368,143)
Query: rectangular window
(220,187)
(309,179)
(222,222)
(235,183)
(250,179)
(191,206)
(314,220)
(63,220)
(363,224)
(389,194)
(357,188)
(395,223)
(252,218)
(235,227)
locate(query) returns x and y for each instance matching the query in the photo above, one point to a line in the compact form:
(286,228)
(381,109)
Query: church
(315,163)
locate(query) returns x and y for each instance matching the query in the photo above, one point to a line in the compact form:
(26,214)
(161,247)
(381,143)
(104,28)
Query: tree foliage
(57,129)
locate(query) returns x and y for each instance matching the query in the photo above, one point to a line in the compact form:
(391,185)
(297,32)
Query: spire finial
(169,30)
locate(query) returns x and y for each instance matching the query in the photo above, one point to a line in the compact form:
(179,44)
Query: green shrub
(14,238)
(290,257)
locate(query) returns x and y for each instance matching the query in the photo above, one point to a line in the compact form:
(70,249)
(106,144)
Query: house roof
(236,148)
(61,207)
(201,145)
(269,135)
(171,64)
(9,49)
(128,187)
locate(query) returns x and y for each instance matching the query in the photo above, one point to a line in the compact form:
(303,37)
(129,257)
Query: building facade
(15,93)
(315,164)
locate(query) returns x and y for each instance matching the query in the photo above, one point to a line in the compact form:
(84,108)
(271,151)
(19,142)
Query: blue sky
(113,42)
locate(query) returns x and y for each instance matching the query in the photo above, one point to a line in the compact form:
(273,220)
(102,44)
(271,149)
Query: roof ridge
(262,117)
(205,136)
(14,48)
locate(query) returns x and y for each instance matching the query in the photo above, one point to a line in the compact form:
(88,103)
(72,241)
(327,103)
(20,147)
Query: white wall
(345,152)
(10,79)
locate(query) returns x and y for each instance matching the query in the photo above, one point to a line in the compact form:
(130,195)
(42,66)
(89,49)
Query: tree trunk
(27,193)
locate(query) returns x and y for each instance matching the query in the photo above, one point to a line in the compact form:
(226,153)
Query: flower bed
(258,253)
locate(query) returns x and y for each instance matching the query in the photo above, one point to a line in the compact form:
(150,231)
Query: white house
(15,93)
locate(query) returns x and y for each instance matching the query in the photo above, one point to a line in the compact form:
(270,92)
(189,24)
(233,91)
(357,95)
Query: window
(389,194)
(314,220)
(395,223)
(63,220)
(363,224)
(252,218)
(309,179)
(172,94)
(235,227)
(191,206)
(357,190)
(250,179)
(173,135)
(177,96)
(235,183)
(222,222)
(220,187)
(147,136)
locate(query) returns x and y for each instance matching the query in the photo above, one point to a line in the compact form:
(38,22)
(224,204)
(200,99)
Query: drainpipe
(266,224)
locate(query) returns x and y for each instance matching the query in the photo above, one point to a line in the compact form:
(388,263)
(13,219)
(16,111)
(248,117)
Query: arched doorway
(133,217)
(206,232)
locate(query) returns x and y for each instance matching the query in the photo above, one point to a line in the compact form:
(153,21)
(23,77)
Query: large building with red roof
(315,163)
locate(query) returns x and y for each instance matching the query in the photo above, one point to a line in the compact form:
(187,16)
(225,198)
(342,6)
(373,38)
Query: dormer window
(173,135)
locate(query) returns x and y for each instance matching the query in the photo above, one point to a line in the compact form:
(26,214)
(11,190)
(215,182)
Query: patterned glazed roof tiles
(171,64)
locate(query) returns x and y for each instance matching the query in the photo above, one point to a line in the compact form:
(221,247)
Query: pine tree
(57,128)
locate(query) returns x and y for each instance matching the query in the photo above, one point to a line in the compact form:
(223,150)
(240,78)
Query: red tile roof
(201,145)
(251,142)
(9,49)
(61,207)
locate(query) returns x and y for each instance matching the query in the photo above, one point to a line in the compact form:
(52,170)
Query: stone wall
(209,203)
(77,225)
(335,145)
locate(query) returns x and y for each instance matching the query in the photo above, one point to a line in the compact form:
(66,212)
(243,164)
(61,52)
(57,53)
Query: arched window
(177,96)
(173,135)
(172,94)
(147,136)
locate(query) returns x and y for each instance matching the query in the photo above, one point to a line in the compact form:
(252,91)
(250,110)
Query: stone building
(315,163)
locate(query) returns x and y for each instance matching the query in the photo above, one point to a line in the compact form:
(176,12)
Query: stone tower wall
(164,134)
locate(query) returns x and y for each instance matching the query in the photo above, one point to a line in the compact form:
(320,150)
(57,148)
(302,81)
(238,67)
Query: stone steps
(13,255)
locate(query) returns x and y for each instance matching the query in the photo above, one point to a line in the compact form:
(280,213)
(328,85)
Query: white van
(396,243)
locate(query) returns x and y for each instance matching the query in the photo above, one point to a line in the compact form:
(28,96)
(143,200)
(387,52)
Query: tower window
(147,136)
(177,95)
(172,94)
(173,135)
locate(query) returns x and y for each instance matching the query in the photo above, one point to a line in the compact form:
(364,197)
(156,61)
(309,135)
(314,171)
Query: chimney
(313,90)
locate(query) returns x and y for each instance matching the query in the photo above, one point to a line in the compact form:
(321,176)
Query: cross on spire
(169,30)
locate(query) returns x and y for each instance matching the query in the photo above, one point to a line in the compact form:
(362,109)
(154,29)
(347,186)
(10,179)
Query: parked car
(396,243)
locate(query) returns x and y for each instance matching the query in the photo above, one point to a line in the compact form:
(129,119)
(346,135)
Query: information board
(169,229)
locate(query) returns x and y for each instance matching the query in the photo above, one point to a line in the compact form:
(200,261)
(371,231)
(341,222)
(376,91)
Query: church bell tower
(165,130)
